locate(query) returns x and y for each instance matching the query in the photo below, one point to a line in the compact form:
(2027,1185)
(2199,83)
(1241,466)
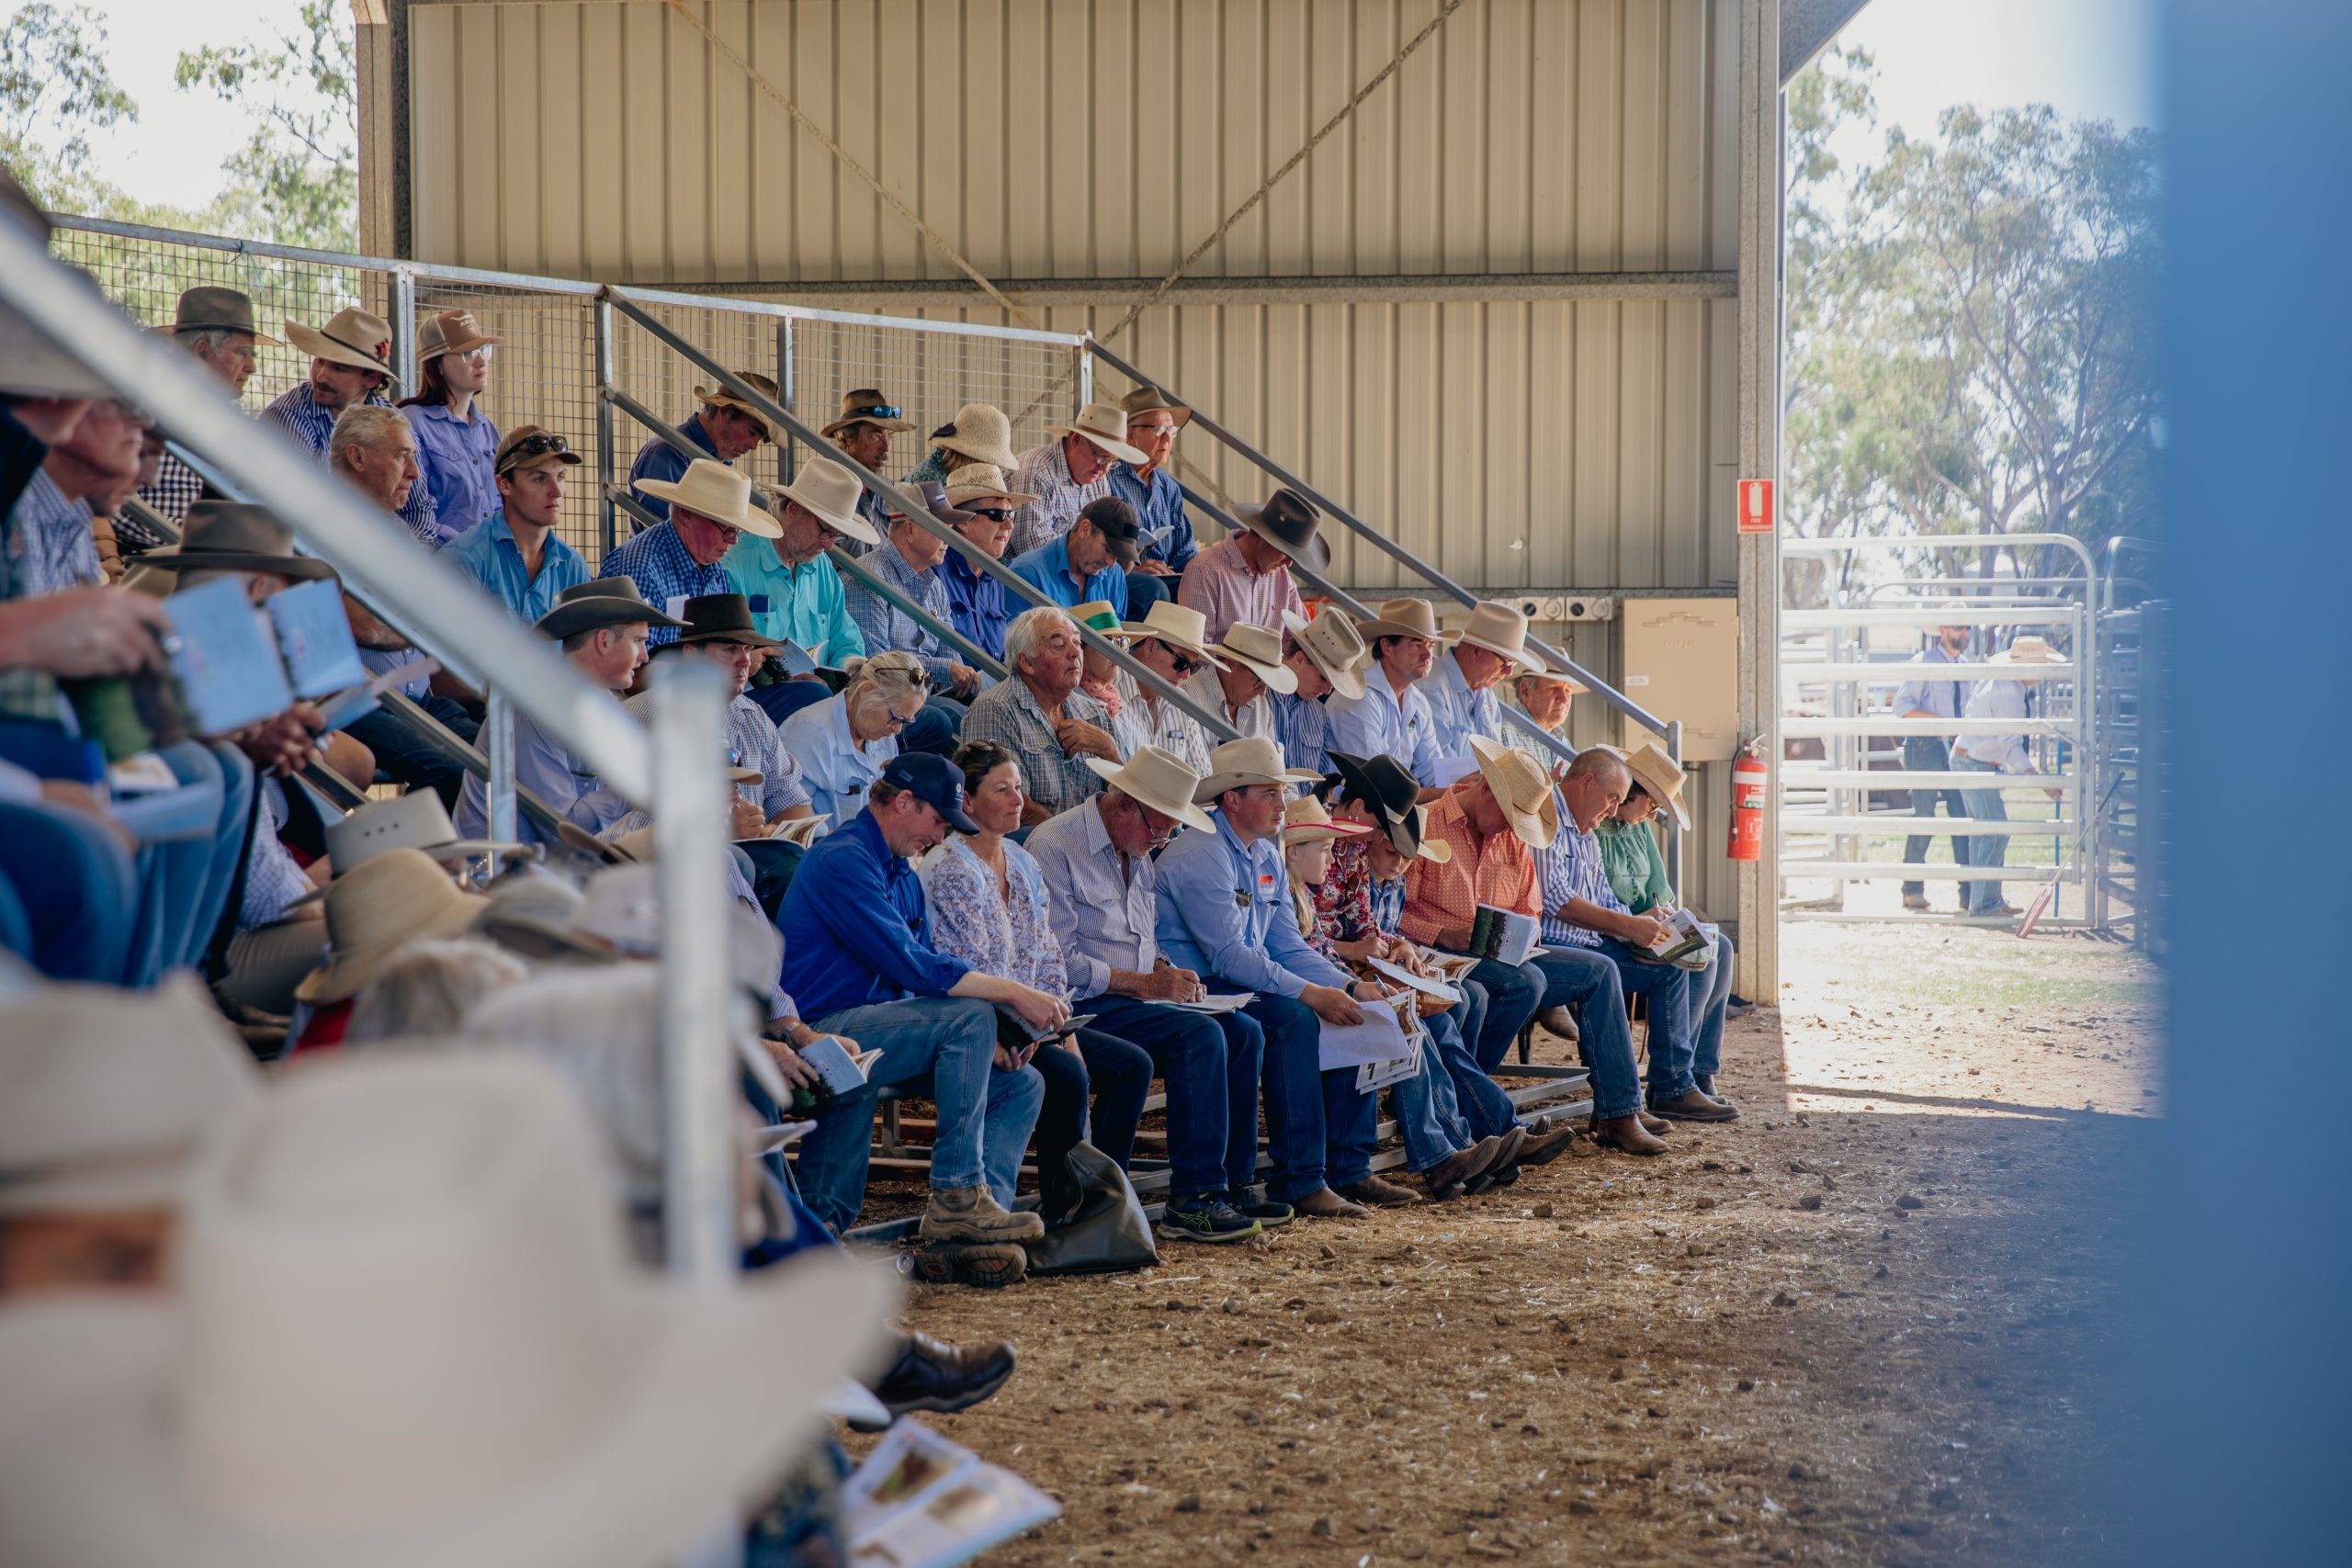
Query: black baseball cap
(1122,530)
(934,781)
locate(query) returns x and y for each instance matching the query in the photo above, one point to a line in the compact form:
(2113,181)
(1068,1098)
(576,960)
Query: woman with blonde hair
(844,743)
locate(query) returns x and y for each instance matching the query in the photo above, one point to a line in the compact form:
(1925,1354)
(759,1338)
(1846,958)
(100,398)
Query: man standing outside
(1159,500)
(514,553)
(862,433)
(2013,693)
(1067,473)
(725,426)
(1922,697)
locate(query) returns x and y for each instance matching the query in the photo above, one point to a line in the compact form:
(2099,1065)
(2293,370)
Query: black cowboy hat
(722,617)
(1382,783)
(1291,524)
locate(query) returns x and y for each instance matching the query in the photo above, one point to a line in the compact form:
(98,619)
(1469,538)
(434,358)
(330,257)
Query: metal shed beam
(941,293)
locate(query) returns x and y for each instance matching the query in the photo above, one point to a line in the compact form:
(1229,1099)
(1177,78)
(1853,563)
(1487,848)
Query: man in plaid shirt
(1039,715)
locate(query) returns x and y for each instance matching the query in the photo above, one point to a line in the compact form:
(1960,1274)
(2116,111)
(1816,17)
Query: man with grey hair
(216,325)
(1040,716)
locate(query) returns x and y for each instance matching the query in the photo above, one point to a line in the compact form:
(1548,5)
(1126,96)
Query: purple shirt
(1220,585)
(453,461)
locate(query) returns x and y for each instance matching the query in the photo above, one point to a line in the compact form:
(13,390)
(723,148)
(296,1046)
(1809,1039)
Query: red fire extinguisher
(1748,778)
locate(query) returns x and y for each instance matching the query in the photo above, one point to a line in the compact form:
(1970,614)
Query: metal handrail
(891,496)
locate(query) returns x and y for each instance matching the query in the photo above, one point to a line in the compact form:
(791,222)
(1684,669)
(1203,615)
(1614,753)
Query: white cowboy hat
(830,491)
(1332,644)
(407,1330)
(1260,650)
(1661,779)
(984,482)
(104,1093)
(1406,617)
(1178,625)
(1305,821)
(2029,649)
(981,432)
(1105,425)
(1156,778)
(353,336)
(416,821)
(377,910)
(1501,631)
(1545,673)
(1522,790)
(713,490)
(1252,759)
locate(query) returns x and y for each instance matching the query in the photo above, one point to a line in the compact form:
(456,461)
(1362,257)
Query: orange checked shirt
(1499,871)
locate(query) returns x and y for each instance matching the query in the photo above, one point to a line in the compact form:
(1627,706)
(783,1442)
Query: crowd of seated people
(934,868)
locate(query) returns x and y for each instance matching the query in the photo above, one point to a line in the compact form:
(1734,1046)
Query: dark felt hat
(235,535)
(722,617)
(599,601)
(1291,524)
(1382,783)
(214,308)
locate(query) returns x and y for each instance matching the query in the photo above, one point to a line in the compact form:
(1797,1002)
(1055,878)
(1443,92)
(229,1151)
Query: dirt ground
(1861,1325)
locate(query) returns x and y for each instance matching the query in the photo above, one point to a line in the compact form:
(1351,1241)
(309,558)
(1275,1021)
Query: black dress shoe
(930,1375)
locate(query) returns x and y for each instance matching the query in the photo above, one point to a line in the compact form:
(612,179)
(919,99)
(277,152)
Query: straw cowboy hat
(1157,777)
(1523,789)
(981,432)
(104,1093)
(212,308)
(527,910)
(1152,400)
(868,406)
(1306,823)
(830,491)
(377,909)
(32,367)
(599,601)
(1435,851)
(408,1330)
(714,490)
(1545,673)
(352,336)
(1179,626)
(1252,759)
(1333,644)
(721,617)
(2028,649)
(721,398)
(235,535)
(451,332)
(1106,427)
(1388,792)
(1661,779)
(1406,617)
(984,482)
(1501,631)
(1259,649)
(1290,523)
(1097,615)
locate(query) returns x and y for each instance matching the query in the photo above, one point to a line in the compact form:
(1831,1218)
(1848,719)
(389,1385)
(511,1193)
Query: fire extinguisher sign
(1756,506)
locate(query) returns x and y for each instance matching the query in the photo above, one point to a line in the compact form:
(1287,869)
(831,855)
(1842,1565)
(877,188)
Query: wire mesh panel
(650,372)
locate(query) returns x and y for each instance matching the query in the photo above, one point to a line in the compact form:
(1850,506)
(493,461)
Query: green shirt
(1629,853)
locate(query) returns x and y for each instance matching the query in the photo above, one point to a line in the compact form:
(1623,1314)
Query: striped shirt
(49,542)
(885,625)
(298,413)
(1044,473)
(1573,868)
(1154,721)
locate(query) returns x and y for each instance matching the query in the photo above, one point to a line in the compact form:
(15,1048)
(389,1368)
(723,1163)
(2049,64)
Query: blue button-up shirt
(549,770)
(299,414)
(491,557)
(806,603)
(1303,727)
(657,459)
(856,932)
(1225,911)
(885,625)
(1384,722)
(1571,867)
(978,604)
(835,772)
(1105,920)
(1047,569)
(1160,503)
(1945,699)
(1457,713)
(656,561)
(48,541)
(453,459)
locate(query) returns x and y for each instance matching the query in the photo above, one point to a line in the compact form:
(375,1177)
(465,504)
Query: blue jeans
(74,887)
(1144,589)
(1985,849)
(1429,1119)
(1111,1072)
(1300,1104)
(784,698)
(1514,995)
(983,1113)
(184,884)
(403,755)
(1668,987)
(1484,1110)
(1710,995)
(1586,978)
(1932,755)
(935,728)
(1211,1066)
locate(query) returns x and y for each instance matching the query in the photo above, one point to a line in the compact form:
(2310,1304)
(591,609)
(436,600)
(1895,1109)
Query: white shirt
(1997,699)
(833,767)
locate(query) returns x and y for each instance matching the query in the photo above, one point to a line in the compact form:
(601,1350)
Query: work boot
(1693,1106)
(1560,1021)
(1375,1193)
(1325,1204)
(1544,1147)
(1446,1179)
(1706,1082)
(1916,901)
(987,1268)
(1626,1135)
(1656,1126)
(933,1375)
(972,1215)
(1504,1170)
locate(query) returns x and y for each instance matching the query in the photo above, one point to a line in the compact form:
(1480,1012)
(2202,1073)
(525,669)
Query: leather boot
(933,1375)
(1372,1191)
(972,1215)
(1693,1106)
(1504,1170)
(1560,1021)
(1626,1135)
(1446,1179)
(1325,1204)
(1656,1126)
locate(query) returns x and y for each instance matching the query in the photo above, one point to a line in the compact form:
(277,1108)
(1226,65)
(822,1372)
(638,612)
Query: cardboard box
(1680,658)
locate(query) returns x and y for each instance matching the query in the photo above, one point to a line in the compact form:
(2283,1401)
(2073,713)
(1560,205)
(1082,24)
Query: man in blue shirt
(350,366)
(725,426)
(678,560)
(514,553)
(859,963)
(1327,655)
(907,562)
(1089,564)
(1392,718)
(1159,500)
(983,506)
(1920,697)
(1225,913)
(1461,688)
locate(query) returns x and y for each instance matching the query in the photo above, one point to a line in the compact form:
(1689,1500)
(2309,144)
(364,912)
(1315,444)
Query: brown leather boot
(1446,1179)
(1626,1135)
(1505,1169)
(1379,1195)
(1325,1204)
(1693,1106)
(1656,1126)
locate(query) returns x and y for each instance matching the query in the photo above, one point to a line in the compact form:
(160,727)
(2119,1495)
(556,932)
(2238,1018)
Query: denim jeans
(74,887)
(1985,849)
(1710,995)
(784,698)
(1586,978)
(935,728)
(184,884)
(1668,988)
(1144,589)
(1301,1106)
(1514,995)
(1932,755)
(1429,1119)
(1210,1066)
(1484,1110)
(950,1042)
(1115,1076)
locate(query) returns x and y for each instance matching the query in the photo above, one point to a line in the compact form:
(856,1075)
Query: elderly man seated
(710,510)
(1225,914)
(725,426)
(351,365)
(859,961)
(1089,564)
(1041,716)
(1105,903)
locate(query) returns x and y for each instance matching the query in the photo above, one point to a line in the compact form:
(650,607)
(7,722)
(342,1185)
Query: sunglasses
(531,446)
(1180,662)
(876,412)
(993,513)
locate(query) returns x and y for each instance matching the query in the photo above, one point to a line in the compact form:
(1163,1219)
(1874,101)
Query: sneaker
(1266,1211)
(1204,1219)
(972,1214)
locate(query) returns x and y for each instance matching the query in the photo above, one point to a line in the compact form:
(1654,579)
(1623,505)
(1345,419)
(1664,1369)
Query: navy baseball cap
(934,781)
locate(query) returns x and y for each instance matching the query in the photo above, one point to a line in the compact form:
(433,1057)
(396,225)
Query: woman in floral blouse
(988,907)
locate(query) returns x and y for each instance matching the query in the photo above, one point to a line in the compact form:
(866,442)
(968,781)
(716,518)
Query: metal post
(498,741)
(607,460)
(404,324)
(1673,840)
(698,1077)
(1081,365)
(788,459)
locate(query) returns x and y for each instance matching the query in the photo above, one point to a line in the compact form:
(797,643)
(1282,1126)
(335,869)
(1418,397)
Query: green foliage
(55,91)
(297,181)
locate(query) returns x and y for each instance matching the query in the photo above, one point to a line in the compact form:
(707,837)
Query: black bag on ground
(1106,1232)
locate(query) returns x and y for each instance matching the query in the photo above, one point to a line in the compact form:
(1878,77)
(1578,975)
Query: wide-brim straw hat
(1158,778)
(715,489)
(1406,617)
(407,1329)
(1501,631)
(1437,851)
(32,367)
(2028,649)
(212,308)
(1152,400)
(104,1094)
(1334,645)
(981,432)
(599,601)
(1252,759)
(1178,625)
(1105,425)
(1258,650)
(353,337)
(723,397)
(1521,789)
(1661,778)
(400,896)
(1575,688)
(235,535)
(1290,523)
(984,482)
(1305,821)
(866,405)
(830,491)
(451,332)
